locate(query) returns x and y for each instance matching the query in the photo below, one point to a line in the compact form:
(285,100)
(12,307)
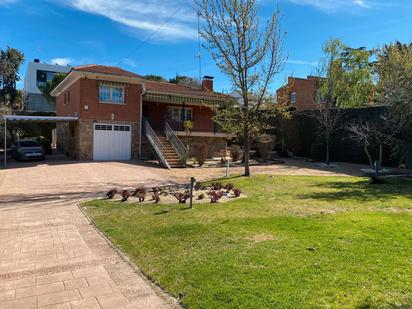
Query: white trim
(111,88)
(295,95)
(74,75)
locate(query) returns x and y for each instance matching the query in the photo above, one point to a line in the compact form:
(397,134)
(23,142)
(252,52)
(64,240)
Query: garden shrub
(237,192)
(200,154)
(235,153)
(266,144)
(111,194)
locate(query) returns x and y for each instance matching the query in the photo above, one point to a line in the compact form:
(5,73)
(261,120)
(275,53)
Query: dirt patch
(258,238)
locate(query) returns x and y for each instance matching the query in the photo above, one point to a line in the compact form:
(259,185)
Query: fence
(302,131)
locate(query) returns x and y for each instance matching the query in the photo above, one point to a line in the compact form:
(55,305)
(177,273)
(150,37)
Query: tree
(155,78)
(184,80)
(346,81)
(373,135)
(251,55)
(10,61)
(50,85)
(394,70)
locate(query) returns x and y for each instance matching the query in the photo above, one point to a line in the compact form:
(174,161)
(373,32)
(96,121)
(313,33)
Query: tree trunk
(327,149)
(247,150)
(365,148)
(380,156)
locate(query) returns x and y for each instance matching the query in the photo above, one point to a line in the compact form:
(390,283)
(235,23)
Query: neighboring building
(300,93)
(122,116)
(38,74)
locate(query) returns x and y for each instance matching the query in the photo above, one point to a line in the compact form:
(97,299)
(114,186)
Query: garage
(21,119)
(112,142)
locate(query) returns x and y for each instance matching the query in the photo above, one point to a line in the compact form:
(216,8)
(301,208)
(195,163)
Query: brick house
(300,93)
(122,116)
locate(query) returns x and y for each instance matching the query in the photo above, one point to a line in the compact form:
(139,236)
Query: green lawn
(294,242)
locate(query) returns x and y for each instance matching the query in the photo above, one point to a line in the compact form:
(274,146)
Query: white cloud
(302,62)
(130,62)
(7,2)
(335,5)
(153,19)
(61,61)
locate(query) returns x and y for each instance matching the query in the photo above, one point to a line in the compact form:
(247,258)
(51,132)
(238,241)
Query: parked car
(28,150)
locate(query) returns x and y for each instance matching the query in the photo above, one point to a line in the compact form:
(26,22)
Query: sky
(160,37)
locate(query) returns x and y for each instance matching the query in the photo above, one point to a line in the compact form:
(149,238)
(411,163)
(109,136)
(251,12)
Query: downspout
(141,120)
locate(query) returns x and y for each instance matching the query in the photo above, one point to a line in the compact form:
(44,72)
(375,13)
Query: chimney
(207,83)
(37,60)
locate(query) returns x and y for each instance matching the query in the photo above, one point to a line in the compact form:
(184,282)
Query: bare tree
(249,54)
(373,136)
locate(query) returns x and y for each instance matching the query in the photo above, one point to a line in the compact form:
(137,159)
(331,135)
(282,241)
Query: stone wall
(76,139)
(217,145)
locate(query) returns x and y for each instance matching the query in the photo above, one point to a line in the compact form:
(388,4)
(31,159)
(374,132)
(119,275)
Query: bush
(235,153)
(265,145)
(317,152)
(200,154)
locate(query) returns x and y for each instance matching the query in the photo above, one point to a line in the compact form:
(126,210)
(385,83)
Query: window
(103,127)
(109,94)
(67,97)
(122,128)
(293,97)
(42,77)
(175,114)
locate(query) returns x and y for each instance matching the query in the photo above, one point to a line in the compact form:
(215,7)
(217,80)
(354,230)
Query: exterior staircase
(169,150)
(170,154)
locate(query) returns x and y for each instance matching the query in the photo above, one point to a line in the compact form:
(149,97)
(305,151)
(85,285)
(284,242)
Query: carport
(31,119)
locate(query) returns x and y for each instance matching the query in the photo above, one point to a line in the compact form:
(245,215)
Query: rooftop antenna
(199,54)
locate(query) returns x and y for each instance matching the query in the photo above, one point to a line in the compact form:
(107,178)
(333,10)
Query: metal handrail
(156,144)
(176,143)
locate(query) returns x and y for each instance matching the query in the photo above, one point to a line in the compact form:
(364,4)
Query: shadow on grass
(362,191)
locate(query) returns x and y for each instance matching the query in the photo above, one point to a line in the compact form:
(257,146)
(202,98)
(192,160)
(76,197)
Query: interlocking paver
(7,295)
(59,297)
(86,303)
(57,306)
(97,290)
(75,283)
(112,301)
(19,283)
(49,252)
(23,303)
(40,289)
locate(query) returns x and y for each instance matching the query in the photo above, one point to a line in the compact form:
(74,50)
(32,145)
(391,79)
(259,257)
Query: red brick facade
(78,95)
(304,91)
(82,99)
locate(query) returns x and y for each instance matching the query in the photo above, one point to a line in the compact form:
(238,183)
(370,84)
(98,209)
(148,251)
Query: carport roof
(19,118)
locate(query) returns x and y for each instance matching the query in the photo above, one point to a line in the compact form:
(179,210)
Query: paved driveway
(50,255)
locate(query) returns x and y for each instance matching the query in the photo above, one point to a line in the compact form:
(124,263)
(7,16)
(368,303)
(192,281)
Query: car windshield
(28,144)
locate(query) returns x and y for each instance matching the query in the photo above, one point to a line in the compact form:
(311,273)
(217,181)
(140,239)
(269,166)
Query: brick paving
(50,255)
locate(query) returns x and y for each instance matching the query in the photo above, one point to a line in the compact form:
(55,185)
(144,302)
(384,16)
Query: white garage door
(112,142)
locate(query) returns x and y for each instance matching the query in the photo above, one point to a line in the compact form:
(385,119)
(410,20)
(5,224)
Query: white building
(38,74)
